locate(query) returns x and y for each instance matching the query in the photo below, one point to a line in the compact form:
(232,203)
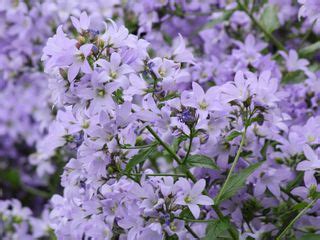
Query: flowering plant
(162,120)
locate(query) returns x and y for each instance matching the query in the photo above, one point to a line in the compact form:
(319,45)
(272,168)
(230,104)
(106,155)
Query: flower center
(188,199)
(203,105)
(162,72)
(311,138)
(173,226)
(113,74)
(101,92)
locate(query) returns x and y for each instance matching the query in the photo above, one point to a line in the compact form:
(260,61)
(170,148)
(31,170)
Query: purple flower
(80,62)
(312,162)
(192,196)
(114,70)
(309,9)
(81,24)
(293,63)
(202,101)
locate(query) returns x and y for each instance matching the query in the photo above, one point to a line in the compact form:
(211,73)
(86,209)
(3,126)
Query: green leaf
(293,77)
(299,206)
(226,15)
(52,235)
(237,181)
(11,176)
(309,49)
(201,161)
(217,228)
(139,158)
(172,237)
(186,214)
(313,193)
(233,135)
(258,119)
(269,18)
(310,236)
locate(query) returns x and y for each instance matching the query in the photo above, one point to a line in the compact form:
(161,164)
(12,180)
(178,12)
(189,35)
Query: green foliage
(186,214)
(250,207)
(140,158)
(12,177)
(237,181)
(293,77)
(309,50)
(201,161)
(269,18)
(233,135)
(226,15)
(310,236)
(218,229)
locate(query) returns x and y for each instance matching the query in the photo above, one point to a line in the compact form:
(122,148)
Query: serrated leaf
(217,228)
(237,181)
(233,135)
(269,18)
(201,161)
(139,158)
(309,49)
(293,77)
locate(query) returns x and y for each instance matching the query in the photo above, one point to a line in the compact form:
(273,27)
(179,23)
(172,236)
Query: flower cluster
(164,119)
(17,222)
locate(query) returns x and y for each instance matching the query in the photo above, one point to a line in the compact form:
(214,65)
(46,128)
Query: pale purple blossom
(192,196)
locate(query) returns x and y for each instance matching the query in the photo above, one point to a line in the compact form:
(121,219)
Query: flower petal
(195,210)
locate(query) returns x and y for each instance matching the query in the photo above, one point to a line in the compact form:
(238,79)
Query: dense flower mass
(159,119)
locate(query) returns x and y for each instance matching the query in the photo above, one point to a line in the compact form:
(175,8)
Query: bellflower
(202,101)
(312,161)
(127,119)
(293,63)
(192,196)
(80,62)
(81,24)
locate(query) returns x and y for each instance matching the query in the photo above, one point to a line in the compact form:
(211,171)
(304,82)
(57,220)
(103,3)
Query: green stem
(281,235)
(307,34)
(137,147)
(190,145)
(235,161)
(275,41)
(232,232)
(164,145)
(196,220)
(290,194)
(158,175)
(36,192)
(191,231)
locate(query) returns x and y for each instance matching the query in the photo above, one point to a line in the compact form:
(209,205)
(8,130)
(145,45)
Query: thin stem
(166,147)
(196,220)
(191,231)
(307,34)
(290,194)
(137,147)
(232,232)
(275,41)
(235,161)
(36,192)
(158,175)
(281,235)
(190,145)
